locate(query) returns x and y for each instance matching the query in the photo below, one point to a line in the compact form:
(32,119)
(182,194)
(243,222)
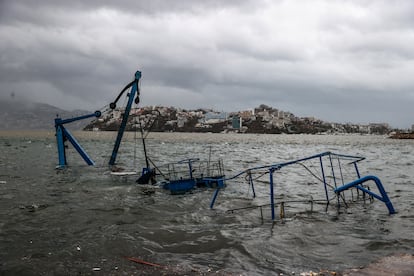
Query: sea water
(83,221)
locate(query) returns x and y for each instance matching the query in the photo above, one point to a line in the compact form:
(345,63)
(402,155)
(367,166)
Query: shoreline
(402,136)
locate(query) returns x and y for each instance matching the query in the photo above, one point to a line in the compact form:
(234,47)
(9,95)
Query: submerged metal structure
(63,135)
(326,162)
(178,177)
(185,175)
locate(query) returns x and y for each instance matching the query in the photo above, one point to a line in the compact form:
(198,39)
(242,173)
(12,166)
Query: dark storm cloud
(46,12)
(319,58)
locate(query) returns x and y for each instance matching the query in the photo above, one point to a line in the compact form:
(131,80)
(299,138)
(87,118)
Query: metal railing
(331,167)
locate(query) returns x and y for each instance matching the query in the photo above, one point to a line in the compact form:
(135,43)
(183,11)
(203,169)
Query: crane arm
(134,91)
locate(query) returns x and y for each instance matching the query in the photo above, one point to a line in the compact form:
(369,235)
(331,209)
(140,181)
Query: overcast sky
(340,61)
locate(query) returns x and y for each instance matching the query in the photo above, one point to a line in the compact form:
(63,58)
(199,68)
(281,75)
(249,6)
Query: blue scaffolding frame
(271,169)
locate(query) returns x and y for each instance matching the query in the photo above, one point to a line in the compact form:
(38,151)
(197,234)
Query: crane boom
(134,91)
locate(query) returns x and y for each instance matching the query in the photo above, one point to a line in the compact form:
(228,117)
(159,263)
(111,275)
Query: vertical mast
(131,95)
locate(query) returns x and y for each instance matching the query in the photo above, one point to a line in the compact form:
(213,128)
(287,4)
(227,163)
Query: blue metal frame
(357,183)
(190,162)
(251,183)
(213,200)
(272,197)
(325,185)
(188,174)
(62,135)
(121,131)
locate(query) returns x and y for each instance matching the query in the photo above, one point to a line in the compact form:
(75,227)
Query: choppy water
(84,221)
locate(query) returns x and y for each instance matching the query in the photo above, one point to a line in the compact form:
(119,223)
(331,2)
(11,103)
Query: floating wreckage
(185,175)
(331,170)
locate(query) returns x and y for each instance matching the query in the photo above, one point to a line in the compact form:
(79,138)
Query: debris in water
(139,261)
(34,207)
(320,273)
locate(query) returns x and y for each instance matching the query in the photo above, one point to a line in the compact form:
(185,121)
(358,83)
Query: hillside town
(262,119)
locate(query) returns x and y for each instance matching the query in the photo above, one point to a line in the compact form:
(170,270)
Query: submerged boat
(188,174)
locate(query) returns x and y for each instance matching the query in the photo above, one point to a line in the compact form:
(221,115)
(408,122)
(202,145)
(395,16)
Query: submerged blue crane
(63,135)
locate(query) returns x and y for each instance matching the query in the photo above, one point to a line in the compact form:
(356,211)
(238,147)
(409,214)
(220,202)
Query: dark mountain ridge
(21,115)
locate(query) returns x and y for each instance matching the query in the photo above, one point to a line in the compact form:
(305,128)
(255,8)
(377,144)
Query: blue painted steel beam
(190,168)
(357,170)
(252,184)
(384,197)
(281,165)
(61,146)
(78,147)
(66,121)
(62,134)
(332,171)
(272,199)
(324,179)
(213,200)
(121,131)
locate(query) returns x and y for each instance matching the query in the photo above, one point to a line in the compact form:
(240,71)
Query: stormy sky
(340,61)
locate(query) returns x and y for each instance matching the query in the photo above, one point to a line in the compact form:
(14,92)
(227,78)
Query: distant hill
(16,115)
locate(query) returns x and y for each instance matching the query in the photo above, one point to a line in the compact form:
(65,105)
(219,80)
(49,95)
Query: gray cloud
(336,60)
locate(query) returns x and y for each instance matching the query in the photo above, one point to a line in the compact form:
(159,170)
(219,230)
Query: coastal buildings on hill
(262,119)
